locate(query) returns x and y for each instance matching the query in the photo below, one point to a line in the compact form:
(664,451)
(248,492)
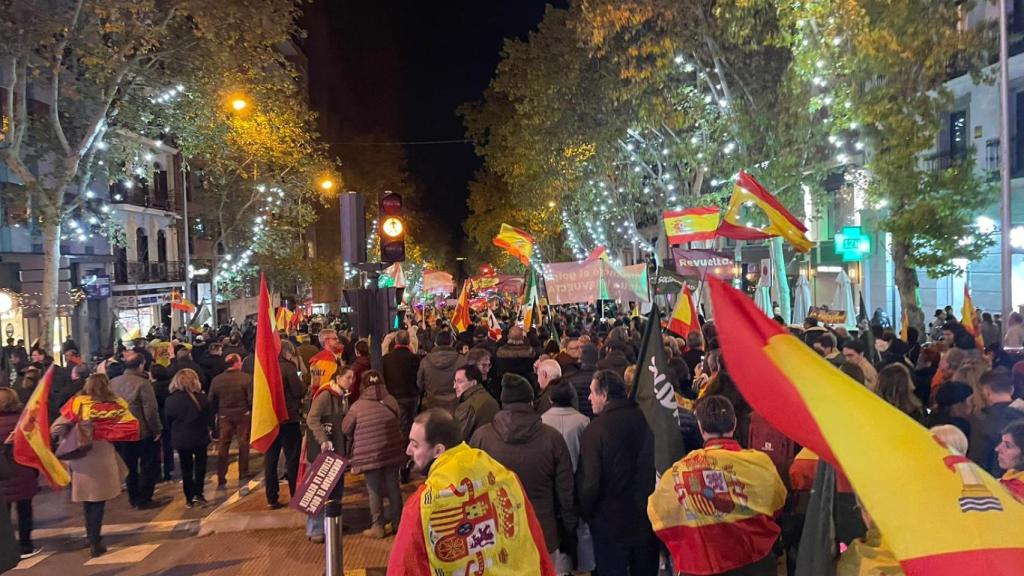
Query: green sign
(852,244)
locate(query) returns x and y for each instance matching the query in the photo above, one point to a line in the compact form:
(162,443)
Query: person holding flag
(717,496)
(22,484)
(96,477)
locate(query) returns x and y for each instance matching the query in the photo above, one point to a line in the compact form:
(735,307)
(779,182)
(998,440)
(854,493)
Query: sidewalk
(235,534)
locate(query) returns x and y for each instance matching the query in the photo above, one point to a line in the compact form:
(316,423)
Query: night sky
(391,71)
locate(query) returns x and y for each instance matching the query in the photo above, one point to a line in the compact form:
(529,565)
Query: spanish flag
(178,302)
(284,319)
(268,407)
(969,319)
(460,319)
(780,222)
(684,316)
(692,224)
(516,242)
(941,513)
(32,446)
(599,253)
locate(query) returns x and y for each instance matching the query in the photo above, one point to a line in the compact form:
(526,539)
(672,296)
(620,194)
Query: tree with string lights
(95,67)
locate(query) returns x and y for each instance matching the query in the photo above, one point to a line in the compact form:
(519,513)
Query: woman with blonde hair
(896,386)
(96,477)
(970,372)
(189,419)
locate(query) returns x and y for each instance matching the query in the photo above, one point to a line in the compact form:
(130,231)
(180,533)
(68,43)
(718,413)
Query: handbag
(77,442)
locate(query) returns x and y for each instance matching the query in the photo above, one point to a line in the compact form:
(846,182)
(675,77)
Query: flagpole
(1005,254)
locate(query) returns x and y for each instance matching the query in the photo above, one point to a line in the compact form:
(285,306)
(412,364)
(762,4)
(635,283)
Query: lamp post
(1005,257)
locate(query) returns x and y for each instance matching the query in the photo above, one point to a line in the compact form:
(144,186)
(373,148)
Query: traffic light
(392,228)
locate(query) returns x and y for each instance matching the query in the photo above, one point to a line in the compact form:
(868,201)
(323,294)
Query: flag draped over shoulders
(940,513)
(111,420)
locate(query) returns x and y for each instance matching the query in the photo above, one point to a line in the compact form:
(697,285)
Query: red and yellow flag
(460,319)
(178,302)
(112,420)
(780,222)
(284,319)
(32,446)
(969,319)
(516,242)
(268,407)
(684,316)
(942,514)
(692,224)
(599,253)
(713,498)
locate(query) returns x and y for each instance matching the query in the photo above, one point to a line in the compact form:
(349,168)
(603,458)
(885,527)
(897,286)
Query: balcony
(993,154)
(148,272)
(143,194)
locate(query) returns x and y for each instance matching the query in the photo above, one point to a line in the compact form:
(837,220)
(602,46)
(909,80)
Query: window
(161,247)
(142,245)
(958,135)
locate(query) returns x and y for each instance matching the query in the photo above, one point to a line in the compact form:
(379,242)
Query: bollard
(332,538)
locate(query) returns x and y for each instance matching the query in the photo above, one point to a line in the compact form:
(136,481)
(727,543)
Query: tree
(88,61)
(889,63)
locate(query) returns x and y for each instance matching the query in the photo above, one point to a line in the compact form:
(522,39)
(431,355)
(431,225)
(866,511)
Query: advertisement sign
(323,475)
(826,316)
(701,263)
(96,287)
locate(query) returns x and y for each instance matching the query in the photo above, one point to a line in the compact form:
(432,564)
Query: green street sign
(852,244)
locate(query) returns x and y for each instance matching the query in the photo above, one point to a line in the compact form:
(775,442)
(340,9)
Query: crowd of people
(550,405)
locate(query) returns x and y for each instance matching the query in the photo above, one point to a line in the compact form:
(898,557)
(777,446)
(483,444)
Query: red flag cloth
(684,316)
(268,406)
(460,319)
(749,191)
(32,446)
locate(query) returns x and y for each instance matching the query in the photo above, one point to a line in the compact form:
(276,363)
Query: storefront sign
(323,475)
(826,316)
(131,302)
(96,287)
(852,244)
(701,263)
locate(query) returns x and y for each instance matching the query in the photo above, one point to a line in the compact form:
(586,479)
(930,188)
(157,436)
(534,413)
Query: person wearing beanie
(580,379)
(954,406)
(538,454)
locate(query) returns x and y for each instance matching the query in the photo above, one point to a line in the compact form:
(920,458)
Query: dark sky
(397,71)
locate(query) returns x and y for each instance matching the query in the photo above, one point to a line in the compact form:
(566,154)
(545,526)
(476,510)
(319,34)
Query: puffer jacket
(537,453)
(436,377)
(376,431)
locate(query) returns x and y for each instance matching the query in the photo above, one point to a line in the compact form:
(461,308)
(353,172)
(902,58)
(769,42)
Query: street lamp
(326,184)
(239,104)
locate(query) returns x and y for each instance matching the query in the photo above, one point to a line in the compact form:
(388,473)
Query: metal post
(332,538)
(1006,261)
(188,252)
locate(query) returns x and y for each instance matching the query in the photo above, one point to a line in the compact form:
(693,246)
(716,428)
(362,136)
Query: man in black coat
(516,357)
(400,367)
(987,427)
(182,360)
(580,379)
(614,477)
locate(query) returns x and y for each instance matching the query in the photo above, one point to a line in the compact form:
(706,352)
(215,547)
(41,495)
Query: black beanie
(515,389)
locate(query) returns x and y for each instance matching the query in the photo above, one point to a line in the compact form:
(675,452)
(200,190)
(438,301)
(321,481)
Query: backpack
(780,448)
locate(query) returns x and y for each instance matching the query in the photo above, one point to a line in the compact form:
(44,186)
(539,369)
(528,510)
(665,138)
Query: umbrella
(801,299)
(763,296)
(843,299)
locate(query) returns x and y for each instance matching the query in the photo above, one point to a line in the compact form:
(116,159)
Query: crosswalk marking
(128,555)
(30,562)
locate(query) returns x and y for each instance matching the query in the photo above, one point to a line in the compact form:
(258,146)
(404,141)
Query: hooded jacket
(436,377)
(537,453)
(372,424)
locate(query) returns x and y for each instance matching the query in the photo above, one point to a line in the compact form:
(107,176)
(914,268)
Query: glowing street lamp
(239,104)
(326,184)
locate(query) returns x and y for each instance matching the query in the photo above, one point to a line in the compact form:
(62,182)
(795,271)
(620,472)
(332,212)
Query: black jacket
(294,389)
(517,359)
(189,420)
(213,365)
(580,380)
(399,370)
(987,432)
(615,472)
(537,453)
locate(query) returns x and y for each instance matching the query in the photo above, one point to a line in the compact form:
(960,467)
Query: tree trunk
(214,269)
(51,282)
(907,284)
(779,262)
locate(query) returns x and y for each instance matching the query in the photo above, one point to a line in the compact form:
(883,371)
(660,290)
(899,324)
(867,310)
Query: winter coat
(138,392)
(179,364)
(400,367)
(231,393)
(294,389)
(615,361)
(436,377)
(615,474)
(23,482)
(375,430)
(987,432)
(517,359)
(323,423)
(580,380)
(97,476)
(161,384)
(476,409)
(537,453)
(570,424)
(213,365)
(189,420)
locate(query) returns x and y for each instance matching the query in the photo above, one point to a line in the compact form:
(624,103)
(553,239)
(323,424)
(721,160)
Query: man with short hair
(580,380)
(212,361)
(481,358)
(569,358)
(825,344)
(231,402)
(465,489)
(182,360)
(324,364)
(853,352)
(547,370)
(436,375)
(142,456)
(701,532)
(614,477)
(515,356)
(987,427)
(476,406)
(400,367)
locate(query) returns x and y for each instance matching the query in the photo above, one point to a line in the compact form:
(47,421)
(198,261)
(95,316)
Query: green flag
(653,391)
